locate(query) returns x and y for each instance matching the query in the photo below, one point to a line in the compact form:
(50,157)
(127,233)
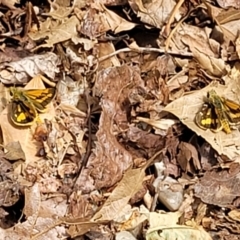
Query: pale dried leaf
(119,198)
(186,107)
(235,215)
(59,12)
(197,39)
(70,109)
(163,124)
(116,23)
(56,33)
(228,4)
(14,151)
(165,226)
(22,71)
(24,135)
(104,50)
(229,15)
(32,201)
(10,3)
(214,66)
(154,13)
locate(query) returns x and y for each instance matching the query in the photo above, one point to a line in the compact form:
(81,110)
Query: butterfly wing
(232,111)
(202,117)
(27,103)
(218,113)
(207,118)
(21,114)
(40,98)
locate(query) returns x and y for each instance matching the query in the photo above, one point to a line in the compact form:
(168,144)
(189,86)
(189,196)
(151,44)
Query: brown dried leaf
(101,19)
(110,159)
(219,187)
(105,49)
(197,39)
(144,139)
(235,215)
(35,226)
(116,23)
(9,192)
(188,152)
(81,226)
(14,151)
(208,158)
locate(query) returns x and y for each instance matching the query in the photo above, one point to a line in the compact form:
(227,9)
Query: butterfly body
(26,104)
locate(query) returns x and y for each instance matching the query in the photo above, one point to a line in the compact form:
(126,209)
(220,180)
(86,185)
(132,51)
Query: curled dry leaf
(235,215)
(159,227)
(108,20)
(188,158)
(162,124)
(22,71)
(59,11)
(69,92)
(204,51)
(214,66)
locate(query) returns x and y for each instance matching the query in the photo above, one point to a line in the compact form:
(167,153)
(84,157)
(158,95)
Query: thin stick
(144,50)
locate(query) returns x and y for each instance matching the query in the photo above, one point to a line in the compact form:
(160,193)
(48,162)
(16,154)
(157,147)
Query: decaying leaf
(20,72)
(219,188)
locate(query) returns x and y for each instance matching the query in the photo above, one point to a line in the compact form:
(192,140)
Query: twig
(89,142)
(144,50)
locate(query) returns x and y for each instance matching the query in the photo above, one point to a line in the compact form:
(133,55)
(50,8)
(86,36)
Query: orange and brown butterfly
(27,103)
(218,113)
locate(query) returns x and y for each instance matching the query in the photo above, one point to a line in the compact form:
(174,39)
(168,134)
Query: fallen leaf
(24,135)
(186,107)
